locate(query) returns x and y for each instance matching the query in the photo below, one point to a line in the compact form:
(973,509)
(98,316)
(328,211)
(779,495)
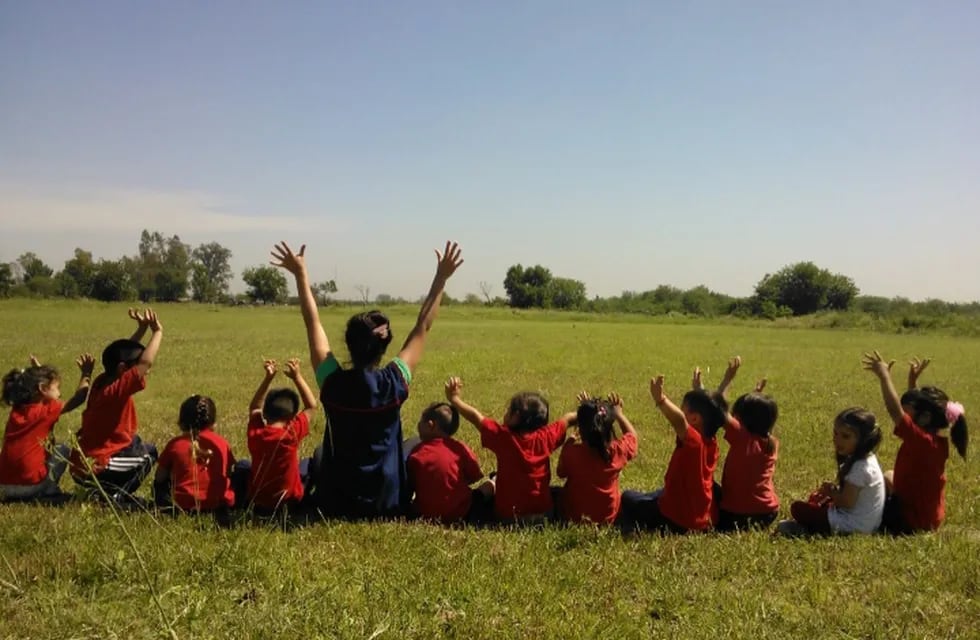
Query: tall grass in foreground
(69,573)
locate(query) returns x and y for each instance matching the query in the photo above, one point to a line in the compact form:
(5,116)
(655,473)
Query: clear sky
(624,144)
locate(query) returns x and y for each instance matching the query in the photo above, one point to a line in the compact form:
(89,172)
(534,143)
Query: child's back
(442,469)
(747,478)
(864,516)
(199,471)
(109,420)
(275,476)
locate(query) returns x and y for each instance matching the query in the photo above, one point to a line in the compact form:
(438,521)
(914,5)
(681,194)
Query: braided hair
(22,386)
(196,414)
(595,425)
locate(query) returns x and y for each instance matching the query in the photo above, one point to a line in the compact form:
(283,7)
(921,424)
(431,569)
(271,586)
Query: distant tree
(527,287)
(112,281)
(323,290)
(210,272)
(472,299)
(266,284)
(565,293)
(384,299)
(841,292)
(6,280)
(364,291)
(486,289)
(164,267)
(75,279)
(805,288)
(33,267)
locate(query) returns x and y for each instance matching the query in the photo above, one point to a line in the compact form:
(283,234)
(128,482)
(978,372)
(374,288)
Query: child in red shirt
(194,470)
(925,420)
(441,469)
(111,460)
(592,465)
(747,497)
(523,445)
(30,464)
(276,428)
(684,503)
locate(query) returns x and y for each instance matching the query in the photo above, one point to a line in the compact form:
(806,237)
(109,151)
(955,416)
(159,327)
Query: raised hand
(152,320)
(916,367)
(292,368)
(616,401)
(271,367)
(657,389)
(875,363)
(453,387)
(760,386)
(34,361)
(732,370)
(283,257)
(86,364)
(696,383)
(448,261)
(138,316)
(583,397)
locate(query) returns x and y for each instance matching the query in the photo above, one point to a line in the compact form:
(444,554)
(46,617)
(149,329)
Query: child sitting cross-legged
(441,469)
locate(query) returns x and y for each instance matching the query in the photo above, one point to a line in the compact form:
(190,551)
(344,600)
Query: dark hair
(910,397)
(21,386)
(531,410)
(444,415)
(929,412)
(865,425)
(595,425)
(757,413)
(122,351)
(368,336)
(711,406)
(280,404)
(196,413)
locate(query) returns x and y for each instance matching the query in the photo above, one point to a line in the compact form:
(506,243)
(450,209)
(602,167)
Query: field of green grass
(82,571)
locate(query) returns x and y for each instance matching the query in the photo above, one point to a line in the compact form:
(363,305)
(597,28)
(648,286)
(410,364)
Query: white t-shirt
(865,515)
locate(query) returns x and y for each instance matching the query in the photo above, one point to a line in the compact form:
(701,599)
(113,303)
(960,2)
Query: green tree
(6,280)
(323,290)
(805,288)
(75,279)
(565,293)
(33,267)
(112,280)
(527,287)
(265,284)
(211,272)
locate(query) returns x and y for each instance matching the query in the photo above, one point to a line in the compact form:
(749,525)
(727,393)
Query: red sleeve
(906,428)
(629,445)
(54,410)
(470,465)
(300,426)
(733,429)
(489,433)
(693,438)
(562,470)
(125,385)
(555,434)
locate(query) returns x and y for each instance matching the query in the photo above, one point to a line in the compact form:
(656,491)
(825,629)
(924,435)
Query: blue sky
(624,144)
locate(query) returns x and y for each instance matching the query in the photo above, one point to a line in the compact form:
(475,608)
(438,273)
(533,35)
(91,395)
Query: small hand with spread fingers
(86,364)
(916,367)
(292,368)
(448,261)
(271,368)
(285,258)
(875,363)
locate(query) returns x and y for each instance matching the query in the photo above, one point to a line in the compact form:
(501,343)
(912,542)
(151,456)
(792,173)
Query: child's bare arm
(624,423)
(448,261)
(270,368)
(295,263)
(874,363)
(150,351)
(730,372)
(86,365)
(305,393)
(142,323)
(844,497)
(916,367)
(469,413)
(670,411)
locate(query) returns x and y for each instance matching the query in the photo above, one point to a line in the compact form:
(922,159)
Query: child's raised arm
(617,407)
(86,365)
(142,323)
(730,372)
(150,351)
(448,261)
(874,363)
(670,411)
(469,413)
(270,368)
(295,263)
(916,367)
(305,393)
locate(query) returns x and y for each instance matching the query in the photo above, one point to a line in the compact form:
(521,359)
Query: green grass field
(83,572)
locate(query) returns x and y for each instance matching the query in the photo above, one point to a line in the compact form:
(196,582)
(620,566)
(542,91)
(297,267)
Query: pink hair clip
(381,331)
(954,410)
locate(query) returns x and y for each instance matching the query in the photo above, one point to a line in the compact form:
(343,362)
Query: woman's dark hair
(444,415)
(757,413)
(368,336)
(196,413)
(711,406)
(21,386)
(595,425)
(531,411)
(865,425)
(280,404)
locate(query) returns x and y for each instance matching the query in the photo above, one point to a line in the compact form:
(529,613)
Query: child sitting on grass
(30,464)
(276,428)
(194,470)
(591,465)
(110,459)
(441,469)
(523,445)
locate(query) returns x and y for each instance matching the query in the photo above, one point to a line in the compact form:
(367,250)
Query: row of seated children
(196,470)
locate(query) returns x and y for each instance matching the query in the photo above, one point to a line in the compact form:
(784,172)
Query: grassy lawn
(82,572)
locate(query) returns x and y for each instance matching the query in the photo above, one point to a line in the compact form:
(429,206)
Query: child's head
(30,385)
(439,419)
(756,412)
(526,412)
(196,413)
(856,436)
(368,336)
(280,405)
(595,425)
(120,355)
(931,409)
(705,411)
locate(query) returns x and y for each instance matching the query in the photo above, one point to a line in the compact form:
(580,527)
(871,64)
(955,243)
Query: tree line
(167,269)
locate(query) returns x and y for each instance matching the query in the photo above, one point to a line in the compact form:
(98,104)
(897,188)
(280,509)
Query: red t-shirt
(23,458)
(746,481)
(920,475)
(523,467)
(275,475)
(108,422)
(591,492)
(442,470)
(201,482)
(686,499)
